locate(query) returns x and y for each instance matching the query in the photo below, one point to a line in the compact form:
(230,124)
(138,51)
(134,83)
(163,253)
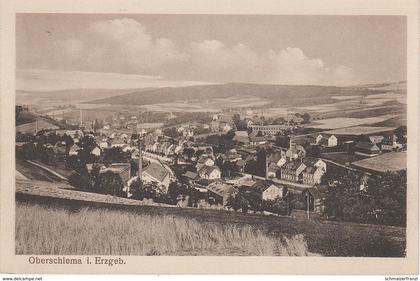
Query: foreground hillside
(284,94)
(110,232)
(322,237)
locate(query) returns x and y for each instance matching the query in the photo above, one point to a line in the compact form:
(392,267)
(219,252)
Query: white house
(104,144)
(330,141)
(74,149)
(209,172)
(272,192)
(321,164)
(204,162)
(376,139)
(96,151)
(318,139)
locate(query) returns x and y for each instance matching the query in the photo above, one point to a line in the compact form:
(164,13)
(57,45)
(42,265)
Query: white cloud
(72,47)
(124,45)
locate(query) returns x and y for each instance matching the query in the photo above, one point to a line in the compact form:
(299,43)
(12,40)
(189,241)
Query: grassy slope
(284,94)
(33,172)
(25,117)
(323,237)
(41,230)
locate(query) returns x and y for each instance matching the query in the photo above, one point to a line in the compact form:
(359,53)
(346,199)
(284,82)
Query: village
(234,162)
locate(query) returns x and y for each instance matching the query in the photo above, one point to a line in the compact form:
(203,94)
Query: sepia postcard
(201,137)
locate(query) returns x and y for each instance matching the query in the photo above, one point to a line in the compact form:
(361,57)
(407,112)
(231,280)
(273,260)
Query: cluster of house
(366,145)
(288,169)
(219,192)
(165,146)
(292,165)
(253,138)
(377,144)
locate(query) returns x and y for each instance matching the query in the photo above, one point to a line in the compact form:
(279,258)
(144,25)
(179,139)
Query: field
(209,105)
(31,127)
(358,130)
(392,161)
(342,157)
(343,122)
(61,232)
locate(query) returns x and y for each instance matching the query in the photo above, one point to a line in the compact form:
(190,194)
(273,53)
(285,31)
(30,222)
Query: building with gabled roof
(74,150)
(241,137)
(190,176)
(209,172)
(122,169)
(312,175)
(219,193)
(315,196)
(366,148)
(272,192)
(157,174)
(292,171)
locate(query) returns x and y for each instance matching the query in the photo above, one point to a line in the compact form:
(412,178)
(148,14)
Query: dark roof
(123,169)
(274,157)
(221,189)
(156,171)
(309,170)
(240,163)
(366,145)
(273,167)
(310,161)
(190,175)
(261,138)
(316,192)
(292,165)
(207,169)
(203,160)
(261,185)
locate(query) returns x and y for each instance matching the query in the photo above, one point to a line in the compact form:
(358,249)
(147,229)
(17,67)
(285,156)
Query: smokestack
(81,117)
(292,147)
(266,166)
(140,162)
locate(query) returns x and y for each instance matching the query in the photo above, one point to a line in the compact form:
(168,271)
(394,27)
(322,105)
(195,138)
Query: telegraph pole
(307,204)
(140,162)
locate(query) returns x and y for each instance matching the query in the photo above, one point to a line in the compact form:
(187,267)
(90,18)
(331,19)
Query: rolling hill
(69,96)
(277,94)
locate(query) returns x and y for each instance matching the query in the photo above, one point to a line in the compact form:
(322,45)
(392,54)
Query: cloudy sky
(74,51)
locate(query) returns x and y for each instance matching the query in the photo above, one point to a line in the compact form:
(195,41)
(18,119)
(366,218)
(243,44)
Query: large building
(268,129)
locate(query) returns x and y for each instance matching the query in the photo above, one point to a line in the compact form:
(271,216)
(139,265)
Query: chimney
(266,166)
(140,162)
